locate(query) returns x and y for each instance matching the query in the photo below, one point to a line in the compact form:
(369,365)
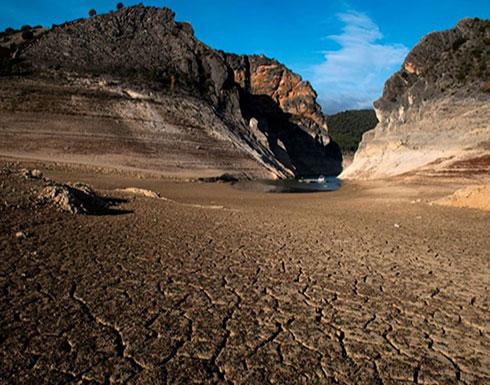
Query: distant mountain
(209,110)
(435,112)
(346,128)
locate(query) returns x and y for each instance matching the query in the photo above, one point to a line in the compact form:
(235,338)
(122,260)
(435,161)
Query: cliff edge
(140,70)
(434,115)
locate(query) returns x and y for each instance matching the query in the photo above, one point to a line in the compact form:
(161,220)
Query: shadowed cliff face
(259,75)
(435,111)
(270,114)
(286,111)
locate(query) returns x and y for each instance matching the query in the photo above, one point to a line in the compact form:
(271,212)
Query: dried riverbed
(368,284)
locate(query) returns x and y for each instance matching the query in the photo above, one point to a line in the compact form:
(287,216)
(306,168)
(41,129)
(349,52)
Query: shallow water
(290,185)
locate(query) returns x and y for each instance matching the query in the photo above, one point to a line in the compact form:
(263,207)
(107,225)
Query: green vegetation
(5,34)
(346,128)
(155,75)
(458,43)
(119,6)
(92,12)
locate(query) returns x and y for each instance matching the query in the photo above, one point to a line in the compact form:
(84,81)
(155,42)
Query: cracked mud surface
(279,289)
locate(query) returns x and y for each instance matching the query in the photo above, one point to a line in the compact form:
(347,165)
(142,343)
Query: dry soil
(366,285)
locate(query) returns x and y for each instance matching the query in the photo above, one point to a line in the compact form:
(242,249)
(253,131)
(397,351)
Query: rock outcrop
(73,198)
(259,75)
(435,112)
(283,107)
(153,69)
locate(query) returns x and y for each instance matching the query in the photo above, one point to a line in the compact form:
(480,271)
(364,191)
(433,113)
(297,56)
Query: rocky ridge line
(269,112)
(435,111)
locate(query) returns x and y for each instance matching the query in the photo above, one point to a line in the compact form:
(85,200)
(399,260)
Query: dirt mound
(75,198)
(476,197)
(224,178)
(141,192)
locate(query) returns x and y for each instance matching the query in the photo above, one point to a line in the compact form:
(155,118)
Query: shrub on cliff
(9,67)
(27,35)
(155,75)
(92,12)
(119,6)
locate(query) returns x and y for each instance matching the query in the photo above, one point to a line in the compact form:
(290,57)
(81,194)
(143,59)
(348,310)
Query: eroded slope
(435,111)
(151,58)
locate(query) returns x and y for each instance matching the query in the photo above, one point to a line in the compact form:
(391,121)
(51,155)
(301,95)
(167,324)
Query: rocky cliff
(283,107)
(140,56)
(434,115)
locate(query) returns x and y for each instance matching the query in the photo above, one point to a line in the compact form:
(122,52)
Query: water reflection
(302,185)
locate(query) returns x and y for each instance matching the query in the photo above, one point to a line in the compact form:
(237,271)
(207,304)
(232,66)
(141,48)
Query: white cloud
(353,76)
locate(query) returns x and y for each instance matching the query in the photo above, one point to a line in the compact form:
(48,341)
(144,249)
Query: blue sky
(346,49)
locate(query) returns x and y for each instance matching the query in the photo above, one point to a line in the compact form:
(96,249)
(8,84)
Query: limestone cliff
(286,111)
(262,76)
(142,56)
(434,115)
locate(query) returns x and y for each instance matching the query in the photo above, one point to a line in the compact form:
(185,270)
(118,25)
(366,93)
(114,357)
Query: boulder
(74,199)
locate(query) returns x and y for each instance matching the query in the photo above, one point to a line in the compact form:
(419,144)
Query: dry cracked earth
(219,286)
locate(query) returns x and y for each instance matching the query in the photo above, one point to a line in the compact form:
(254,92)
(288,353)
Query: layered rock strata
(434,114)
(263,115)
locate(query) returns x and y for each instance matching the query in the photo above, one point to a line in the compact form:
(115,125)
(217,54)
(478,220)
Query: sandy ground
(472,196)
(366,285)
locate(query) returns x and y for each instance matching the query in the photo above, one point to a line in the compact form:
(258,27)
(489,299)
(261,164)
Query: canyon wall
(434,115)
(141,56)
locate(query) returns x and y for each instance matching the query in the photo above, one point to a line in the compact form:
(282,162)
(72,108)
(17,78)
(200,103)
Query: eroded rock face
(152,54)
(435,111)
(73,198)
(286,108)
(263,76)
